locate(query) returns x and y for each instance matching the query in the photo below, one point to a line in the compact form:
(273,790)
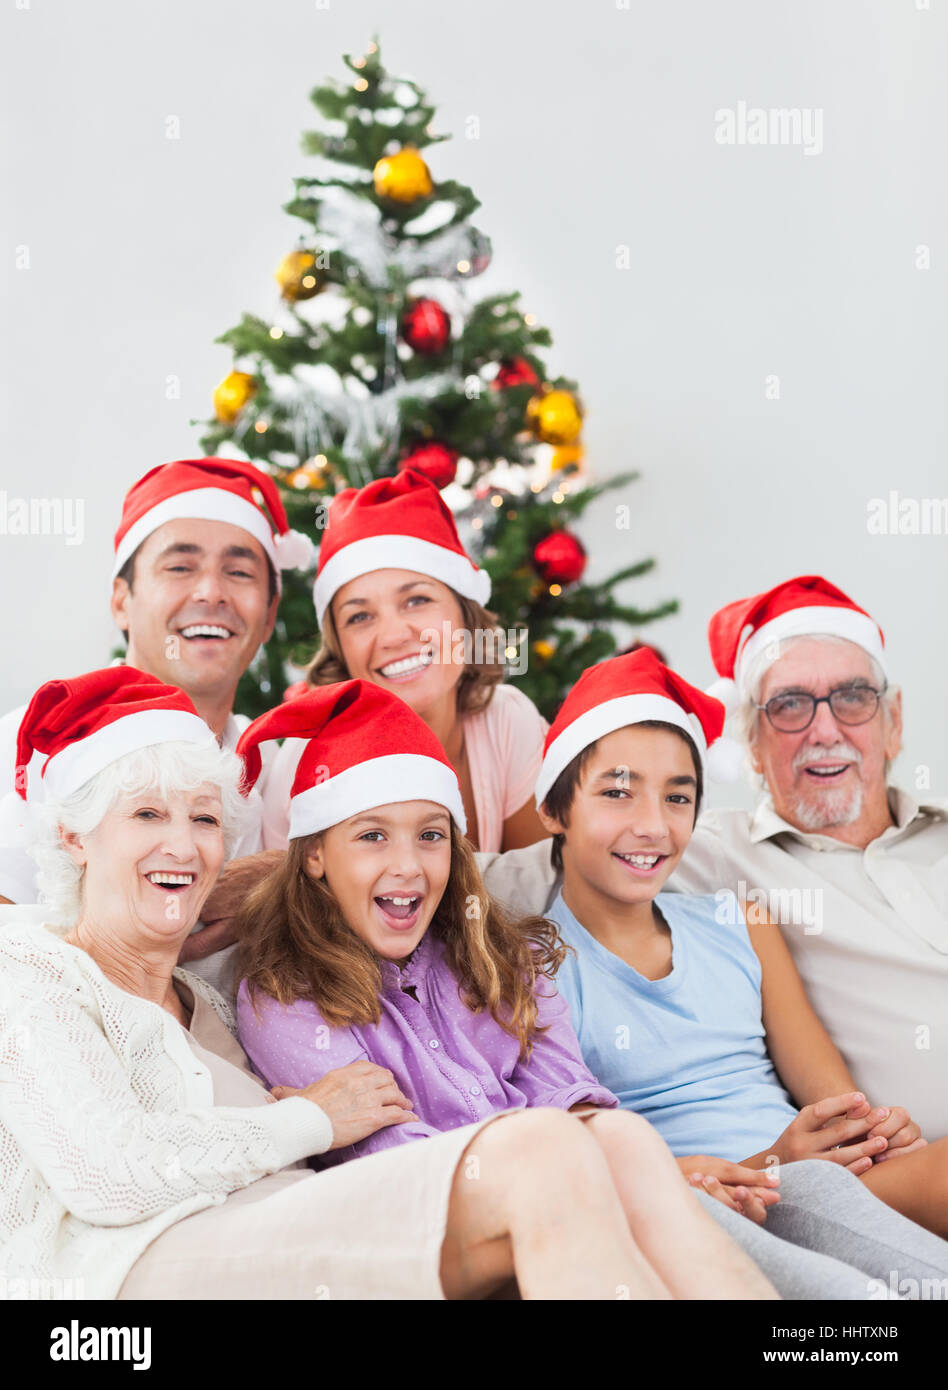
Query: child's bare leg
(915,1185)
(533,1197)
(694,1257)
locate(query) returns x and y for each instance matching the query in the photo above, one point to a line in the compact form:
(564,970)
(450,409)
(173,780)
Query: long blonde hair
(296,944)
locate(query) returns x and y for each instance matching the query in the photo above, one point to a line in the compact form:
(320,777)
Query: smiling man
(854,868)
(195,589)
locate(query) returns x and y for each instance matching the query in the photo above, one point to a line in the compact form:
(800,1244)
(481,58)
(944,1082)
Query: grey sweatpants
(830,1238)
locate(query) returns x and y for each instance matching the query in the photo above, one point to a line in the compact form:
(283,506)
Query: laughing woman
(141,1158)
(400,604)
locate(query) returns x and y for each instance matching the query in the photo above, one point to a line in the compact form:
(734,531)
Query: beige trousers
(369,1229)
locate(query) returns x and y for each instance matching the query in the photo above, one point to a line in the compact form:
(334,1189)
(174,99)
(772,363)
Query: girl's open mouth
(398,912)
(641,865)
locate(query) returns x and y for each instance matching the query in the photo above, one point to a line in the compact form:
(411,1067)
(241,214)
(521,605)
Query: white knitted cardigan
(108,1130)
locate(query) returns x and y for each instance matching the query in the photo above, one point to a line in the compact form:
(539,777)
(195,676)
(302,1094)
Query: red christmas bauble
(559,558)
(515,371)
(426,327)
(436,462)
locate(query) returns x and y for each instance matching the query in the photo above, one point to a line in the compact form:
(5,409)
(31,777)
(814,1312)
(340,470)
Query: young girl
(399,603)
(681,1008)
(375,940)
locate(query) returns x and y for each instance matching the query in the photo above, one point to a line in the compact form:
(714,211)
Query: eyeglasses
(795,711)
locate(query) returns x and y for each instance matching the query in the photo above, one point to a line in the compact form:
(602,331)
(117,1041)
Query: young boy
(681,1009)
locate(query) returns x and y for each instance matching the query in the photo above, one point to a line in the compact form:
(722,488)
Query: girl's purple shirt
(454,1065)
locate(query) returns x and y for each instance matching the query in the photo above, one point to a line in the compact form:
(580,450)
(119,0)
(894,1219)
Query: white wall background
(597,130)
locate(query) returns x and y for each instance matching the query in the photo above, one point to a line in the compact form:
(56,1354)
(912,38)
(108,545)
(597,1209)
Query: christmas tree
(377,357)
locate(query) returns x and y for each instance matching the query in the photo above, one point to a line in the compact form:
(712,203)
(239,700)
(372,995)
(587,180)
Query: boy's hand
(738,1187)
(828,1129)
(897,1126)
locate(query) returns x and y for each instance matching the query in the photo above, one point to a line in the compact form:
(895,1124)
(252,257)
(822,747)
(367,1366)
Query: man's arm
(808,1061)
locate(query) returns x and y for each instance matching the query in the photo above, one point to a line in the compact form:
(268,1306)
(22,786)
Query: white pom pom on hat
(295,551)
(727,692)
(725,760)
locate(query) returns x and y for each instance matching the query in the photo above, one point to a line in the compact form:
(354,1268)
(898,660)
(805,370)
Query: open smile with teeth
(206,630)
(641,863)
(407,665)
(833,770)
(399,912)
(161,878)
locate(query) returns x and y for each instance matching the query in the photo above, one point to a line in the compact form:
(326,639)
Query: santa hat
(212,489)
(631,689)
(394,523)
(366,748)
(88,722)
(804,607)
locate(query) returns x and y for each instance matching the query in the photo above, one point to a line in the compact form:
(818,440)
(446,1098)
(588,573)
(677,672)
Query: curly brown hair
(476,686)
(296,944)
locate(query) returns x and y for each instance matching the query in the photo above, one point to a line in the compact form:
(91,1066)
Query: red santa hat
(88,722)
(212,489)
(366,748)
(394,523)
(631,689)
(804,607)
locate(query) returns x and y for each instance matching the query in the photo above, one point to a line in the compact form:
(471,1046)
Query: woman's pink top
(504,750)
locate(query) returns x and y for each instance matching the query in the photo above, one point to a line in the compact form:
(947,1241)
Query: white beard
(836,806)
(827,807)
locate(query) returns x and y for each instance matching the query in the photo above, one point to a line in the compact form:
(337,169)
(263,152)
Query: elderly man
(854,869)
(195,589)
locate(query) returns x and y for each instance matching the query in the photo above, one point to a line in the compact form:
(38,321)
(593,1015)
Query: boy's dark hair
(559,799)
(127,572)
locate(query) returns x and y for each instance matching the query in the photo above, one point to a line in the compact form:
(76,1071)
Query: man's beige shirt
(868,930)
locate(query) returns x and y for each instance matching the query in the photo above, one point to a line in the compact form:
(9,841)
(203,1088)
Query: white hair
(163,768)
(747,716)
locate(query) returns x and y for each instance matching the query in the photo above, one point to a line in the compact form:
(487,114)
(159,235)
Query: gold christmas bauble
(555,417)
(313,476)
(298,276)
(543,650)
(567,455)
(403,177)
(232,394)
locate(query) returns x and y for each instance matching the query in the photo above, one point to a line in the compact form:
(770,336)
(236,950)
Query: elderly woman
(401,604)
(140,1157)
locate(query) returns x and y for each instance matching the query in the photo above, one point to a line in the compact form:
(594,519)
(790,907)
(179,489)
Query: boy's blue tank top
(688,1051)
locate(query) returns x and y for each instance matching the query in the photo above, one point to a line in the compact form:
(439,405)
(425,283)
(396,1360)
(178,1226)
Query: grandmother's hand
(225,900)
(359,1099)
